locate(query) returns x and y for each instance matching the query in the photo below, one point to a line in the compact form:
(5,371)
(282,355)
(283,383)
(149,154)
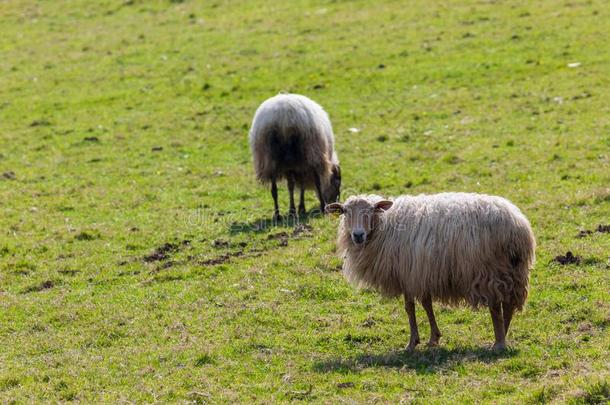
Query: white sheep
(291,138)
(452,247)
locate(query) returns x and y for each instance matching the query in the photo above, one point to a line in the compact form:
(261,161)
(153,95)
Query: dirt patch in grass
(168,264)
(302,229)
(225,257)
(45,285)
(86,236)
(568,258)
(68,272)
(600,229)
(221,259)
(10,175)
(165,278)
(220,243)
(282,237)
(279,235)
(164,251)
(300,394)
(368,323)
(603,228)
(40,123)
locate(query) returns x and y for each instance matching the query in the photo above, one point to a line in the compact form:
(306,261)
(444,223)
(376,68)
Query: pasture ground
(135,262)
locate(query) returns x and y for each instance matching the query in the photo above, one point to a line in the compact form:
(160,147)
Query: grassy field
(136,262)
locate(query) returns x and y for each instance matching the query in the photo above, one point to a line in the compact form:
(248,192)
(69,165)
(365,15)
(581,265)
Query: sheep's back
(291,133)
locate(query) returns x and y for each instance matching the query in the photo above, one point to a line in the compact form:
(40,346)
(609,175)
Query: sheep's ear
(334,208)
(337,171)
(383,205)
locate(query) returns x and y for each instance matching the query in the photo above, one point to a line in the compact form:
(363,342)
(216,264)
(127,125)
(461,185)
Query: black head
(332,193)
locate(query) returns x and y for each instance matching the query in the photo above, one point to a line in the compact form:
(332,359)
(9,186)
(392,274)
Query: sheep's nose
(358,236)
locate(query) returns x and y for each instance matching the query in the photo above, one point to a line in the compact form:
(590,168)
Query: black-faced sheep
(291,138)
(451,247)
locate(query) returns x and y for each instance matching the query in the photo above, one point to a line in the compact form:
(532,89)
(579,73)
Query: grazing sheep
(291,138)
(451,247)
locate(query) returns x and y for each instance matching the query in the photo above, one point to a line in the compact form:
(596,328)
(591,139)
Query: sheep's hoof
(277,217)
(302,211)
(434,339)
(498,347)
(412,344)
(292,212)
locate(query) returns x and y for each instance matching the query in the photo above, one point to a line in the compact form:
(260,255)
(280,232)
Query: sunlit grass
(138,260)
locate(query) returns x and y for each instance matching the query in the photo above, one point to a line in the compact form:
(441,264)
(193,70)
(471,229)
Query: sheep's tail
(264,166)
(509,282)
(522,260)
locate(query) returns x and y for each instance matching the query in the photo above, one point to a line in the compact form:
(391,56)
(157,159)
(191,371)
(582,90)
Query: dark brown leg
(302,210)
(435,333)
(276,214)
(508,310)
(290,181)
(498,321)
(410,308)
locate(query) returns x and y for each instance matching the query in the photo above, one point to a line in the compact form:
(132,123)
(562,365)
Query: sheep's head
(333,190)
(361,216)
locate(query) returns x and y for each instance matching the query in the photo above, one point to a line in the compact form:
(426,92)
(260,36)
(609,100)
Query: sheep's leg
(290,180)
(316,180)
(435,333)
(507,313)
(302,210)
(276,215)
(498,321)
(410,308)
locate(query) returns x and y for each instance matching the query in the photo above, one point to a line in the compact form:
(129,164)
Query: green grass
(123,128)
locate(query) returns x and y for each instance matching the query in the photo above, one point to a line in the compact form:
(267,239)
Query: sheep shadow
(264,224)
(422,361)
